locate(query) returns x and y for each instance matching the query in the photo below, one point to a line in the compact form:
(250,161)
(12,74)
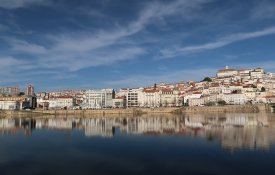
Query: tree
(210,104)
(263,89)
(222,102)
(208,79)
(21,94)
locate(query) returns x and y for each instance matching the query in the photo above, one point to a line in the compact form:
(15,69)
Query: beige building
(61,102)
(227,72)
(9,105)
(150,98)
(119,102)
(235,99)
(198,101)
(169,98)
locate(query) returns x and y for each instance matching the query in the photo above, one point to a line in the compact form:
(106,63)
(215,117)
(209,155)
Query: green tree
(208,79)
(222,102)
(263,89)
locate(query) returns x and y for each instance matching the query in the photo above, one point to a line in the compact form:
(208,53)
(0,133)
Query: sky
(83,44)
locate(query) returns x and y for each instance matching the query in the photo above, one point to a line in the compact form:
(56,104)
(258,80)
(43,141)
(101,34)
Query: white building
(198,101)
(150,98)
(170,98)
(119,102)
(244,72)
(250,96)
(98,99)
(61,102)
(227,72)
(42,103)
(133,97)
(191,96)
(215,88)
(235,99)
(256,74)
(9,105)
(158,98)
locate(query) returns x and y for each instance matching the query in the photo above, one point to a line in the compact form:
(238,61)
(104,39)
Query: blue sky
(83,44)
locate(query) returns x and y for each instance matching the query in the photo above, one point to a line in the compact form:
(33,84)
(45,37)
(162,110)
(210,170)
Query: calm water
(198,144)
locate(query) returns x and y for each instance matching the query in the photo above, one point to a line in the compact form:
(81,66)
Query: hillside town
(229,87)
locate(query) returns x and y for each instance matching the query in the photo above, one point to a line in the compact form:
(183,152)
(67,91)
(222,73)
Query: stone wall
(141,111)
(227,109)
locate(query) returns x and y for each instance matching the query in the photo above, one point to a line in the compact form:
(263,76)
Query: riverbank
(228,109)
(141,111)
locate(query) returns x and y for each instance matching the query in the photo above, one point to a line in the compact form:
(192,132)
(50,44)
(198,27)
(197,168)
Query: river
(160,144)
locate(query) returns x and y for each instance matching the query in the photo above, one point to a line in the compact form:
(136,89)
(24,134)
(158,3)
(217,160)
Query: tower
(30,90)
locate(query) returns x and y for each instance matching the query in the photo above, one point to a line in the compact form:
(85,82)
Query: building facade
(29,91)
(9,105)
(65,102)
(98,99)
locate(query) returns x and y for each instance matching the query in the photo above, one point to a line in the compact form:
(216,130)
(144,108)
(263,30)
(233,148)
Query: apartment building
(98,99)
(62,102)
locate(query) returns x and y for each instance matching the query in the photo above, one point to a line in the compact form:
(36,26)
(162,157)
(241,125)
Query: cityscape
(229,87)
(134,87)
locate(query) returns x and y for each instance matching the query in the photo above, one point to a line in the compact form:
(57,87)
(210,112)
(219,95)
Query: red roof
(63,97)
(197,93)
(150,91)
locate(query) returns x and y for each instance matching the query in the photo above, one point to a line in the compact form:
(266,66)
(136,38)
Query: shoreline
(140,111)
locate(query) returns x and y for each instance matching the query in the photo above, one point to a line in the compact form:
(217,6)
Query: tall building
(9,91)
(30,90)
(97,99)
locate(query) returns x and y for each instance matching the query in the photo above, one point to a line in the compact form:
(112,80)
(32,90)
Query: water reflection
(232,131)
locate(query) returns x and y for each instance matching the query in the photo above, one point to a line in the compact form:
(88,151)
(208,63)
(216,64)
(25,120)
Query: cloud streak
(73,51)
(224,41)
(80,42)
(14,4)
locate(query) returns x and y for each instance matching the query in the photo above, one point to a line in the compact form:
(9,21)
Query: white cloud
(224,41)
(24,46)
(77,50)
(72,61)
(13,4)
(9,69)
(9,62)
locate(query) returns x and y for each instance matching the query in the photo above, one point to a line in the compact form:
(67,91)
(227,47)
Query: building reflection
(232,131)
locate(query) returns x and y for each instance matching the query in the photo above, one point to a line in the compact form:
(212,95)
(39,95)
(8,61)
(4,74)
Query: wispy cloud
(71,61)
(24,46)
(73,51)
(90,37)
(263,10)
(224,41)
(13,4)
(3,27)
(9,71)
(7,62)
